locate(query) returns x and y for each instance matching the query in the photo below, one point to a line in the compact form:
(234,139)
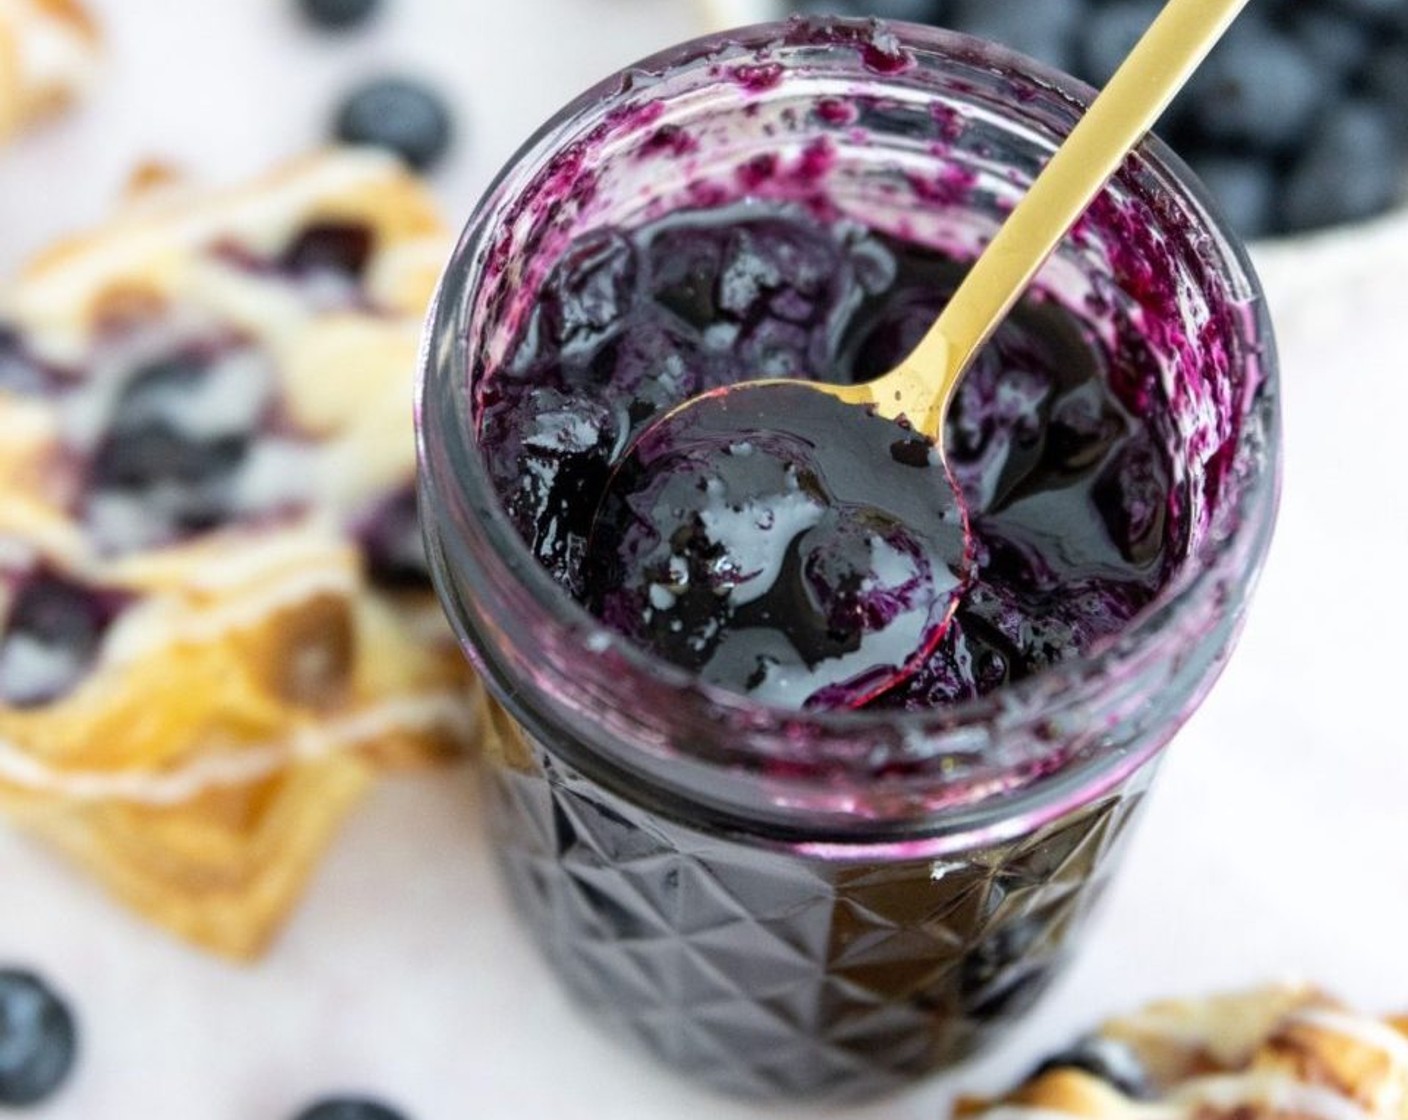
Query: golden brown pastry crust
(255,677)
(49,52)
(1284,1052)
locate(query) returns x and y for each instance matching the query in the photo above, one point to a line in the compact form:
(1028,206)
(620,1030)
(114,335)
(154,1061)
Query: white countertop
(1276,844)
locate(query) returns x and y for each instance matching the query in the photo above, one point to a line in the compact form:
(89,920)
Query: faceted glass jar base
(768,972)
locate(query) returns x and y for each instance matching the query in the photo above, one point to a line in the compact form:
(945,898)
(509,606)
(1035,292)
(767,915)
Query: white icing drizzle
(1273,1090)
(147,627)
(261,216)
(234,767)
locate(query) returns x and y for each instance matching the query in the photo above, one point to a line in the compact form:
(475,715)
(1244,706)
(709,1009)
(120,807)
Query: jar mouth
(961,745)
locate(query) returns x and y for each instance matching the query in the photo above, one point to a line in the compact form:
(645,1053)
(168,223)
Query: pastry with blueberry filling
(215,618)
(1273,1052)
(49,52)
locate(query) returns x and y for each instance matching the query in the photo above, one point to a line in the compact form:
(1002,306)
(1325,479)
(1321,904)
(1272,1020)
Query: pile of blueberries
(1298,120)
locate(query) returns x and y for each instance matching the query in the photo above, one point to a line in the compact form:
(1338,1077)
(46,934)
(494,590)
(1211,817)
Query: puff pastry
(48,58)
(215,623)
(1276,1052)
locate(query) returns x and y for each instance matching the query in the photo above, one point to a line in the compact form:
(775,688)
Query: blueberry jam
(52,636)
(1067,488)
(782,543)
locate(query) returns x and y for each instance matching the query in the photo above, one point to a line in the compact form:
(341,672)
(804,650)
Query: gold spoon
(833,656)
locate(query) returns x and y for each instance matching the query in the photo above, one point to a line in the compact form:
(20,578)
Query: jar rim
(760,733)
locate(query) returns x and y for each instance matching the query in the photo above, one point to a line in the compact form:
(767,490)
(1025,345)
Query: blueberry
(1371,9)
(1337,42)
(51,638)
(1112,1062)
(349,1108)
(1386,81)
(337,15)
(1351,168)
(1045,30)
(1245,188)
(1259,87)
(1132,497)
(38,1039)
(1111,34)
(590,290)
(398,114)
(913,11)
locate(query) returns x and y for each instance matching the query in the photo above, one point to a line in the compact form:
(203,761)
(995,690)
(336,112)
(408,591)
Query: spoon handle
(1149,78)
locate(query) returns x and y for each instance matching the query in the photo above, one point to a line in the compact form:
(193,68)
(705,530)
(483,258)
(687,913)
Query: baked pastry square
(48,58)
(215,618)
(1284,1051)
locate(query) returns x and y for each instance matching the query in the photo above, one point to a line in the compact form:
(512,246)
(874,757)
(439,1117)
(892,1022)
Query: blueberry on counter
(1047,31)
(1351,168)
(338,15)
(38,1039)
(1259,87)
(349,1108)
(1263,121)
(398,114)
(1245,188)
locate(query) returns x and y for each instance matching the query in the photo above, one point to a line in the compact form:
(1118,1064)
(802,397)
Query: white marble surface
(1276,844)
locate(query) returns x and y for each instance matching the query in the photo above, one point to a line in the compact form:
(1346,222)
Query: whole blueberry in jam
(38,1039)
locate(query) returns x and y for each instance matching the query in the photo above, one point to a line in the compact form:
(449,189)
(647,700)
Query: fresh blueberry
(913,11)
(1045,30)
(1338,42)
(337,15)
(1245,188)
(349,1108)
(1351,168)
(1258,87)
(403,116)
(38,1039)
(1112,1062)
(1386,81)
(1112,31)
(1371,9)
(51,638)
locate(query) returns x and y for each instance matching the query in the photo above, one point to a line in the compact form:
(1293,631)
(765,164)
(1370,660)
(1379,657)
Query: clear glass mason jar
(786,902)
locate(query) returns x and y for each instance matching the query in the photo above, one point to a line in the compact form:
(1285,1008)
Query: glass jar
(786,902)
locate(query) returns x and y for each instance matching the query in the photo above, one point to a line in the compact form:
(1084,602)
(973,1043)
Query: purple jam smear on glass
(1050,440)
